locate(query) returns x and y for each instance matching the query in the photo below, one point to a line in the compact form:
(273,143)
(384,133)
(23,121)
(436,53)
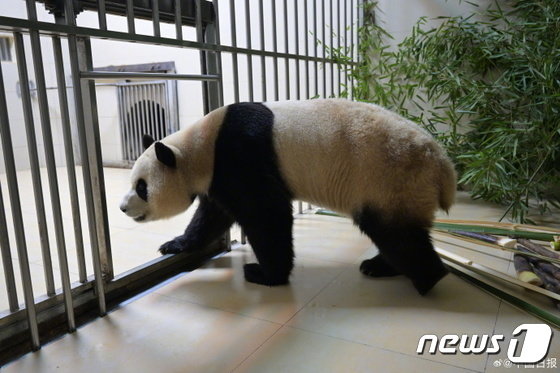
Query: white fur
(344,155)
(170,189)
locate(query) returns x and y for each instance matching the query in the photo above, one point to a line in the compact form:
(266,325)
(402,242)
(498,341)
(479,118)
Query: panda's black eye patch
(142,189)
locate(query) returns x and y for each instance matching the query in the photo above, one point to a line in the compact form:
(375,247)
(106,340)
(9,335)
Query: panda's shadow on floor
(221,283)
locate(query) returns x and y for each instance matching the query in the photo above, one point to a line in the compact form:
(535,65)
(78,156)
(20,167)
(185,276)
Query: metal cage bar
(71,172)
(37,55)
(17,217)
(7,264)
(235,65)
(34,162)
(249,46)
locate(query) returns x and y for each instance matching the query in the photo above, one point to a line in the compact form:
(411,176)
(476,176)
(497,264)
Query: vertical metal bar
(121,120)
(263,48)
(352,43)
(218,54)
(102,14)
(316,70)
(135,127)
(234,61)
(346,47)
(148,109)
(249,46)
(97,176)
(7,264)
(331,30)
(306,29)
(130,16)
(360,22)
(324,43)
(287,50)
(9,163)
(74,48)
(51,169)
(162,119)
(167,108)
(178,20)
(143,114)
(243,237)
(296,21)
(34,162)
(125,120)
(300,207)
(70,164)
(202,53)
(275,50)
(339,51)
(155,17)
(153,110)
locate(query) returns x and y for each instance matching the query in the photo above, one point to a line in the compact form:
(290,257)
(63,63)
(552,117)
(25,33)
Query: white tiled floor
(329,319)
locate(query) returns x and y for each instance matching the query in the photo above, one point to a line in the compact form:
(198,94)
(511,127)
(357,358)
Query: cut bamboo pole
(500,241)
(489,272)
(515,251)
(541,250)
(524,271)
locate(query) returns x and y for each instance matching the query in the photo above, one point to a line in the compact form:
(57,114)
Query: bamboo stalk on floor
(549,268)
(500,241)
(483,243)
(524,271)
(536,248)
(492,273)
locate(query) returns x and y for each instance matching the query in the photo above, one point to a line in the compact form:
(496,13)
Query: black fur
(142,189)
(209,222)
(405,247)
(248,187)
(165,155)
(147,140)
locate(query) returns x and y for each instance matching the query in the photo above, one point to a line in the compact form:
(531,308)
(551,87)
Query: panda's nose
(123,209)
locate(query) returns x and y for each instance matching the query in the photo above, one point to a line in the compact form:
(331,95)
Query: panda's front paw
(175,246)
(255,274)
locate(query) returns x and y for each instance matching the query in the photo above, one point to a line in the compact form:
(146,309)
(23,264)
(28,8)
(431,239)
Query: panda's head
(159,187)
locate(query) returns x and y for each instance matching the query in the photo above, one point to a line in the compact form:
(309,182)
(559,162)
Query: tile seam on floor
(493,331)
(317,294)
(217,308)
(381,348)
(287,321)
(257,348)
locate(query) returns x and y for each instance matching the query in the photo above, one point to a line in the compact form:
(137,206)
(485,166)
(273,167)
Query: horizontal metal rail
(150,76)
(14,332)
(46,28)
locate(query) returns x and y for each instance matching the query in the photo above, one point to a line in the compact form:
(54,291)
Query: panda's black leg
(270,237)
(378,267)
(405,246)
(209,222)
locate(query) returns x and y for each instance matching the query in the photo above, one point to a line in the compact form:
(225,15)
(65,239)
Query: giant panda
(246,162)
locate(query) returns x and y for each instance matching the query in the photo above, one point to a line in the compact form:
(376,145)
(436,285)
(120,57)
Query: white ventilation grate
(145,108)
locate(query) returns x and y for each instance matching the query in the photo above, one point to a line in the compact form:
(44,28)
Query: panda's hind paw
(174,246)
(254,273)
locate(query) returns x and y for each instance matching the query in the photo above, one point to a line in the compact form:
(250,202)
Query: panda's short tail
(447,185)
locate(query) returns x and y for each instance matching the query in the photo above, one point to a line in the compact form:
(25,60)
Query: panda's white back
(342,154)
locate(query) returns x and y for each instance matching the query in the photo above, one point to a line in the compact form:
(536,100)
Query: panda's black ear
(147,140)
(165,155)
